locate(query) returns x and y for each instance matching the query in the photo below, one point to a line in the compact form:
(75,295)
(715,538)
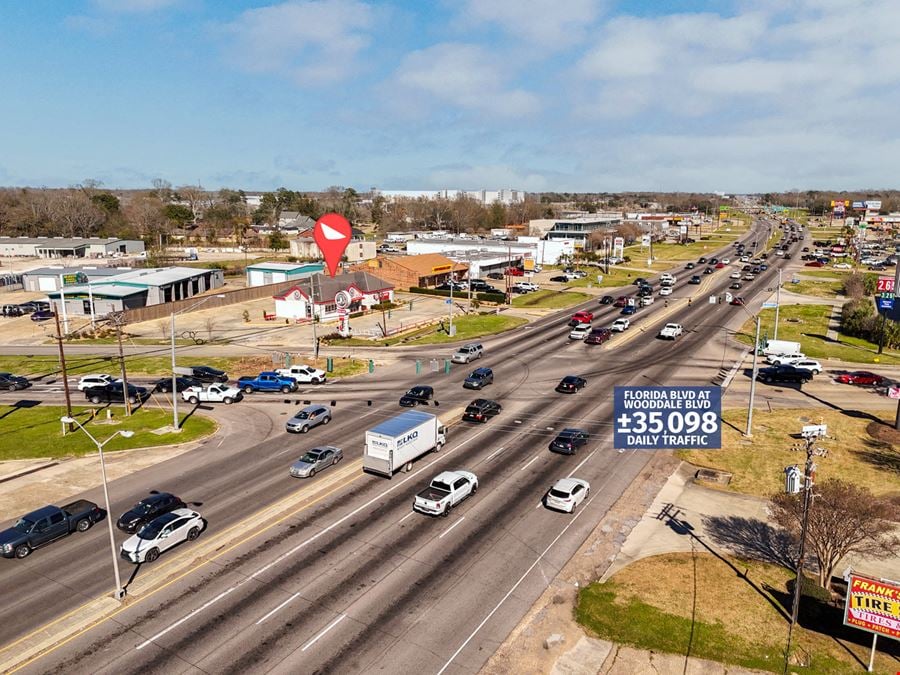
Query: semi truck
(396,443)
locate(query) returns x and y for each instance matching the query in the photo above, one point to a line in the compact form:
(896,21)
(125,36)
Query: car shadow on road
(671,515)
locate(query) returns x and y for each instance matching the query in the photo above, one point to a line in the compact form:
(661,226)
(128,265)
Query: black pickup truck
(113,393)
(46,525)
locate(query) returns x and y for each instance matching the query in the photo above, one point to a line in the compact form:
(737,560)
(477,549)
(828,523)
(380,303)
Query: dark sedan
(570,384)
(481,410)
(496,276)
(560,279)
(418,395)
(708,270)
(569,440)
(147,509)
(627,310)
(694,280)
(112,393)
(181,383)
(598,336)
(208,375)
(607,300)
(42,315)
(12,382)
(479,378)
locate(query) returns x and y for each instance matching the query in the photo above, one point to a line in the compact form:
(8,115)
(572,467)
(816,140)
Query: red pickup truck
(581,317)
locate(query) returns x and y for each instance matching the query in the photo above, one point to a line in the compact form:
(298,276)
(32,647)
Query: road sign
(769,305)
(884,304)
(653,418)
(893,392)
(713,299)
(448,301)
(884,284)
(728,297)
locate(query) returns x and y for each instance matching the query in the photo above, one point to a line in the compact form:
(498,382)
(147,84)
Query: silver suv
(468,353)
(311,416)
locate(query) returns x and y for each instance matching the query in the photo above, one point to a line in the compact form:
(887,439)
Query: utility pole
(118,319)
(62,367)
(777,305)
(810,434)
(749,431)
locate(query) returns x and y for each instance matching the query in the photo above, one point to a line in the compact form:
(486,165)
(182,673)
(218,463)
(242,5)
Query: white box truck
(396,443)
(781,347)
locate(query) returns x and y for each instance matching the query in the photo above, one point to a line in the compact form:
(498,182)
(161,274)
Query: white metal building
(68,247)
(260,274)
(541,251)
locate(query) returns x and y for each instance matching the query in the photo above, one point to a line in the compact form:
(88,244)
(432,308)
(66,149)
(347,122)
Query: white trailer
(781,347)
(396,443)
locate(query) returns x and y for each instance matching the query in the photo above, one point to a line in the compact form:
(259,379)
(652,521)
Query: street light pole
(777,305)
(749,431)
(120,592)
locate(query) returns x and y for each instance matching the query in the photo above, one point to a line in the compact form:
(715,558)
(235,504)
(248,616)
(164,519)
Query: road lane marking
(325,630)
(580,464)
(531,461)
(493,454)
(408,515)
(188,616)
(447,531)
(294,596)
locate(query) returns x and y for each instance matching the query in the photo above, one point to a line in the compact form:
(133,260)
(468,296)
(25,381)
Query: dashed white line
(324,630)
(531,461)
(189,615)
(408,515)
(581,464)
(277,608)
(493,454)
(447,531)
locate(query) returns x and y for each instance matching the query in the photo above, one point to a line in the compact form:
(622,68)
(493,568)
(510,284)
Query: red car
(581,317)
(515,271)
(737,301)
(621,301)
(815,263)
(720,265)
(862,378)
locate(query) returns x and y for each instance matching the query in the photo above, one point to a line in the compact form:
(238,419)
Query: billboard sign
(873,606)
(76,278)
(528,264)
(885,284)
(839,202)
(859,205)
(657,418)
(873,204)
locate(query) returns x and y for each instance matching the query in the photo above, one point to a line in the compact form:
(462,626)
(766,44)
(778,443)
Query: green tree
(106,201)
(277,241)
(178,215)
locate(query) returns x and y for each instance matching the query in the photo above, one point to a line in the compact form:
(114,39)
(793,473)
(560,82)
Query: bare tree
(210,325)
(163,189)
(843,519)
(163,328)
(74,214)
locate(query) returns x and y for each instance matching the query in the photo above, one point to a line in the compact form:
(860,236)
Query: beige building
(358,250)
(426,270)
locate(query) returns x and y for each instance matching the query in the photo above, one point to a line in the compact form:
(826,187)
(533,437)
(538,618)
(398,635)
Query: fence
(231,297)
(10,282)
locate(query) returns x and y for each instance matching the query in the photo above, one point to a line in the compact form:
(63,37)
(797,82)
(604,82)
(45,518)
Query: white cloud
(464,75)
(313,43)
(547,22)
(125,6)
(466,176)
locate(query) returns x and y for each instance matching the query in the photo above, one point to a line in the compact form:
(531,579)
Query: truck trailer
(781,347)
(396,443)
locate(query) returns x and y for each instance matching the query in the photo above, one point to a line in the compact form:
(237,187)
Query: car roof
(323,448)
(571,377)
(447,476)
(567,484)
(482,371)
(155,498)
(571,432)
(311,408)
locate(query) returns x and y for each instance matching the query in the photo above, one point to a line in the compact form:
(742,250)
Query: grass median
(32,432)
(549,299)
(467,328)
(720,608)
(809,325)
(757,466)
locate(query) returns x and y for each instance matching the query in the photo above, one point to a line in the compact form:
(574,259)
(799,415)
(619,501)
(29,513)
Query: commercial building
(404,272)
(318,295)
(543,252)
(578,230)
(68,247)
(137,288)
(484,197)
(261,274)
(45,279)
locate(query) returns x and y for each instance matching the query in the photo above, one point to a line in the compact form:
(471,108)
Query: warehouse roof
(159,276)
(60,242)
(285,267)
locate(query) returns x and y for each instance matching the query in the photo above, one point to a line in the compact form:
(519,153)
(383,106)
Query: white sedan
(620,325)
(161,534)
(88,381)
(566,494)
(580,331)
(665,290)
(734,275)
(842,266)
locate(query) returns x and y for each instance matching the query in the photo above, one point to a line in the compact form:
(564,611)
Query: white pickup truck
(303,374)
(214,393)
(666,279)
(446,491)
(671,331)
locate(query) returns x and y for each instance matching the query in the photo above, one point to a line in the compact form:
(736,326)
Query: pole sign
(657,418)
(884,304)
(894,392)
(885,285)
(873,606)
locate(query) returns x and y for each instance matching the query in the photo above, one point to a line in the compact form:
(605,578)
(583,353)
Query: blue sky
(568,95)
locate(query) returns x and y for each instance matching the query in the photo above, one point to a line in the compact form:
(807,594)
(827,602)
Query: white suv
(528,286)
(88,381)
(620,325)
(785,359)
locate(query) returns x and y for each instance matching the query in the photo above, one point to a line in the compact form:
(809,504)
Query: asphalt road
(356,582)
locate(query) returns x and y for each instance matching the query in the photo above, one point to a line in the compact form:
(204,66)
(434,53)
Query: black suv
(209,375)
(147,509)
(112,393)
(12,382)
(181,383)
(480,378)
(783,373)
(569,440)
(418,395)
(481,410)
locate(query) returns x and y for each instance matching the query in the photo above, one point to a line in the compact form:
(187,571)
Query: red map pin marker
(332,234)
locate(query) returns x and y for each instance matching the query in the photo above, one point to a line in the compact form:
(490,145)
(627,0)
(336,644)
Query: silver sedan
(315,460)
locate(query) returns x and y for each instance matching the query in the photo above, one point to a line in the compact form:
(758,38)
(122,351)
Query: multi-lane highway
(349,579)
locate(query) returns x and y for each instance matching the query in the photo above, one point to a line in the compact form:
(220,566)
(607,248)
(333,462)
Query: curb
(25,472)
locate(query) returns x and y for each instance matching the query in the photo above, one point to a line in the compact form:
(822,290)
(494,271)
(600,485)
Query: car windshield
(310,458)
(438,485)
(143,507)
(302,415)
(559,494)
(23,525)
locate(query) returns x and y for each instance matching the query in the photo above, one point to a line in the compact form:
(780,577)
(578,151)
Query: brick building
(425,271)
